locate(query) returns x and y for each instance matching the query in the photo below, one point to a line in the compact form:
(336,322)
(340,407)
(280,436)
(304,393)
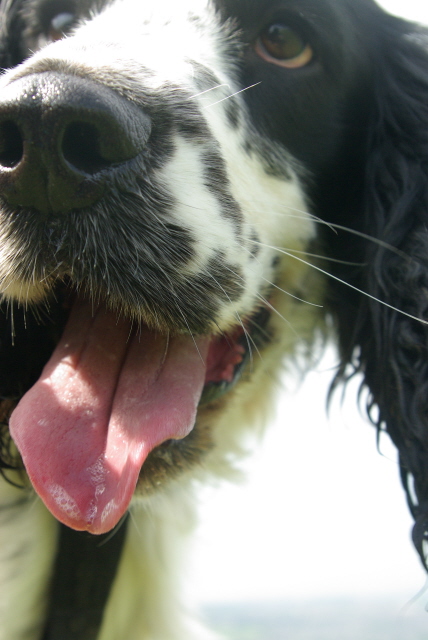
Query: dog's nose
(61,139)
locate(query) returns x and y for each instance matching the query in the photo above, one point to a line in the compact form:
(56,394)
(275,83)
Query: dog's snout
(62,137)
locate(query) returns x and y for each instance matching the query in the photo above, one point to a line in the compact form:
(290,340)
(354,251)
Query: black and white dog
(190,192)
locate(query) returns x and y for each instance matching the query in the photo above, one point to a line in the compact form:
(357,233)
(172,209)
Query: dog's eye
(56,19)
(282,45)
(60,24)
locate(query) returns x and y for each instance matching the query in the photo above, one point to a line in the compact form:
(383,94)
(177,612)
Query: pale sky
(322,513)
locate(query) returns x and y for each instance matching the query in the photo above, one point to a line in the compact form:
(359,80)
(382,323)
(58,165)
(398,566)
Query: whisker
(232,94)
(377,241)
(272,284)
(115,530)
(347,284)
(303,214)
(272,308)
(292,295)
(249,338)
(338,227)
(236,313)
(166,349)
(12,324)
(218,86)
(321,257)
(190,332)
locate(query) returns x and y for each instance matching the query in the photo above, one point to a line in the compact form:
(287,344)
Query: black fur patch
(217,181)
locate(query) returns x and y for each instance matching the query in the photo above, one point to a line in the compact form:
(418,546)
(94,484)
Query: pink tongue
(102,403)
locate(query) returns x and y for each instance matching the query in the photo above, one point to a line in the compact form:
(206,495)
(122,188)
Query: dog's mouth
(110,394)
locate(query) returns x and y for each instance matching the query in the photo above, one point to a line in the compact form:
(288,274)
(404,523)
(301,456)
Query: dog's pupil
(282,42)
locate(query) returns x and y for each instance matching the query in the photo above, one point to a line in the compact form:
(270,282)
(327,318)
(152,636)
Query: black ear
(11,26)
(390,204)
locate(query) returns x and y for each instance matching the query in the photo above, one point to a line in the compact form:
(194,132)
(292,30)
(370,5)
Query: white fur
(27,537)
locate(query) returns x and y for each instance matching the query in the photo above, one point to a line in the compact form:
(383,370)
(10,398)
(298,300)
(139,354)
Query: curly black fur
(389,348)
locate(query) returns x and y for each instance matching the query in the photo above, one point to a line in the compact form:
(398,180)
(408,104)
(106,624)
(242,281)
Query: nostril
(62,140)
(11,145)
(81,148)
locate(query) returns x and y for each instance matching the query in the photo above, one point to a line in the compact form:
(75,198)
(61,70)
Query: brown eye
(60,24)
(282,45)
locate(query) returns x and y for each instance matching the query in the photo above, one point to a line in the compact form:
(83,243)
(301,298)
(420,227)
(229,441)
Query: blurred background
(315,545)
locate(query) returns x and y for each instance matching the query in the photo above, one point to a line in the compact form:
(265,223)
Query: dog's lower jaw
(163,511)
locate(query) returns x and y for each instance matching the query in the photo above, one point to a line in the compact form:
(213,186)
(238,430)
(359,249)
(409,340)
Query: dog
(192,195)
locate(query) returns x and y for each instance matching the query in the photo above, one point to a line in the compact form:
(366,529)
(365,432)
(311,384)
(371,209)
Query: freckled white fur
(144,603)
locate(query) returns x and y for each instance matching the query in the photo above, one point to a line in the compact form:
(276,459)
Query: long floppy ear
(387,346)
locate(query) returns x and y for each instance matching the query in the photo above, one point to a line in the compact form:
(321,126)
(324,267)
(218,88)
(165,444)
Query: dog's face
(159,165)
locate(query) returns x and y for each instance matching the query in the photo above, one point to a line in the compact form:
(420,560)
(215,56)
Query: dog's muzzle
(61,138)
(117,386)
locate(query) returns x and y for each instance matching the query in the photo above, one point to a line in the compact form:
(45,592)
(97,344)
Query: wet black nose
(62,138)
